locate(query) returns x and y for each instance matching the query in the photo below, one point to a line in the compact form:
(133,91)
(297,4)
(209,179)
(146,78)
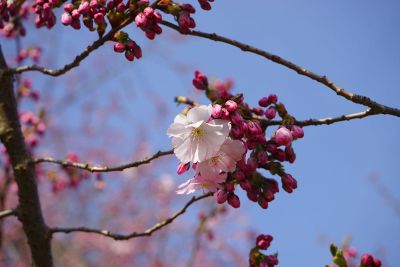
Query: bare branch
(78,59)
(7,213)
(147,232)
(359,99)
(92,168)
(325,121)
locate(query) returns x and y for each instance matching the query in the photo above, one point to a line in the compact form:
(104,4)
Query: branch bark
(29,208)
(358,99)
(92,168)
(148,232)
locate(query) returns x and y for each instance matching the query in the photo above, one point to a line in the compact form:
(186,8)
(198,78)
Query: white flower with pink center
(194,137)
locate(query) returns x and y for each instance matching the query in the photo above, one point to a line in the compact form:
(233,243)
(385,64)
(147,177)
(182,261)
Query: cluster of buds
(345,257)
(130,48)
(11,13)
(148,21)
(44,11)
(33,127)
(257,258)
(25,90)
(367,260)
(249,126)
(33,52)
(185,21)
(92,11)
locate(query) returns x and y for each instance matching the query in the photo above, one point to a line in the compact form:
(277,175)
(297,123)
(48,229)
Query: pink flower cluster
(92,12)
(148,21)
(34,53)
(33,128)
(131,49)
(248,125)
(11,14)
(25,90)
(44,11)
(185,21)
(258,259)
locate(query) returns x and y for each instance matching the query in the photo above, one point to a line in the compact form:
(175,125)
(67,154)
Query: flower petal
(200,113)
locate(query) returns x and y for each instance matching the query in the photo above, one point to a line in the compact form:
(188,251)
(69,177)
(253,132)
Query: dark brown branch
(78,59)
(7,213)
(359,99)
(29,207)
(147,232)
(92,168)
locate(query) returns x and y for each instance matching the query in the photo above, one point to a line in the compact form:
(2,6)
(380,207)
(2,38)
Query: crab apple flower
(283,137)
(194,138)
(224,161)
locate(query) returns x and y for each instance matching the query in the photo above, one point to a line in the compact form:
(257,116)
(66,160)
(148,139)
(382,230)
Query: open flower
(200,182)
(194,137)
(224,161)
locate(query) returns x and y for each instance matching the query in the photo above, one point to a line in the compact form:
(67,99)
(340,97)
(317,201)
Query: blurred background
(111,111)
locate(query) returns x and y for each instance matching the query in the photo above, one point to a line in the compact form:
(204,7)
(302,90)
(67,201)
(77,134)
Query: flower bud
(182,167)
(263,102)
(270,113)
(66,19)
(231,105)
(297,132)
(221,196)
(200,81)
(216,111)
(233,200)
(283,137)
(119,47)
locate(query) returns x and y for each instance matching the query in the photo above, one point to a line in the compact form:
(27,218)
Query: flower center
(215,160)
(197,133)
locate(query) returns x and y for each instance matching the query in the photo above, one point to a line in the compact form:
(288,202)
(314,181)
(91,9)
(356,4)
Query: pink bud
(263,102)
(245,185)
(272,99)
(297,132)
(200,81)
(289,154)
(239,175)
(119,47)
(283,137)
(270,113)
(230,187)
(121,7)
(68,7)
(252,195)
(66,19)
(233,200)
(237,132)
(231,105)
(99,18)
(129,55)
(367,260)
(254,128)
(140,20)
(288,182)
(221,196)
(264,241)
(205,4)
(137,51)
(75,14)
(236,118)
(216,111)
(262,158)
(182,167)
(83,7)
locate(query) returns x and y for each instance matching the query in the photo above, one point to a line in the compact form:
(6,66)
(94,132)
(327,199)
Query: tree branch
(359,99)
(92,168)
(7,213)
(147,232)
(29,207)
(324,121)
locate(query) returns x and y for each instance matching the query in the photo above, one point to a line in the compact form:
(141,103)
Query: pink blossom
(283,137)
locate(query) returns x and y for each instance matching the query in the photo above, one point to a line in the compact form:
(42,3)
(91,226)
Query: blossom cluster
(11,13)
(257,258)
(226,144)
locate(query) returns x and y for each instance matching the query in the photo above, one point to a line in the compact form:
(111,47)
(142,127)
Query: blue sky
(355,43)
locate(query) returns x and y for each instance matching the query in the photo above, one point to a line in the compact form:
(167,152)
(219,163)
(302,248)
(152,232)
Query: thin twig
(147,232)
(92,168)
(359,99)
(7,213)
(325,121)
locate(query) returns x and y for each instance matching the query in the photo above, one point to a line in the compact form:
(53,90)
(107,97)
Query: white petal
(178,130)
(187,187)
(180,118)
(185,151)
(200,113)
